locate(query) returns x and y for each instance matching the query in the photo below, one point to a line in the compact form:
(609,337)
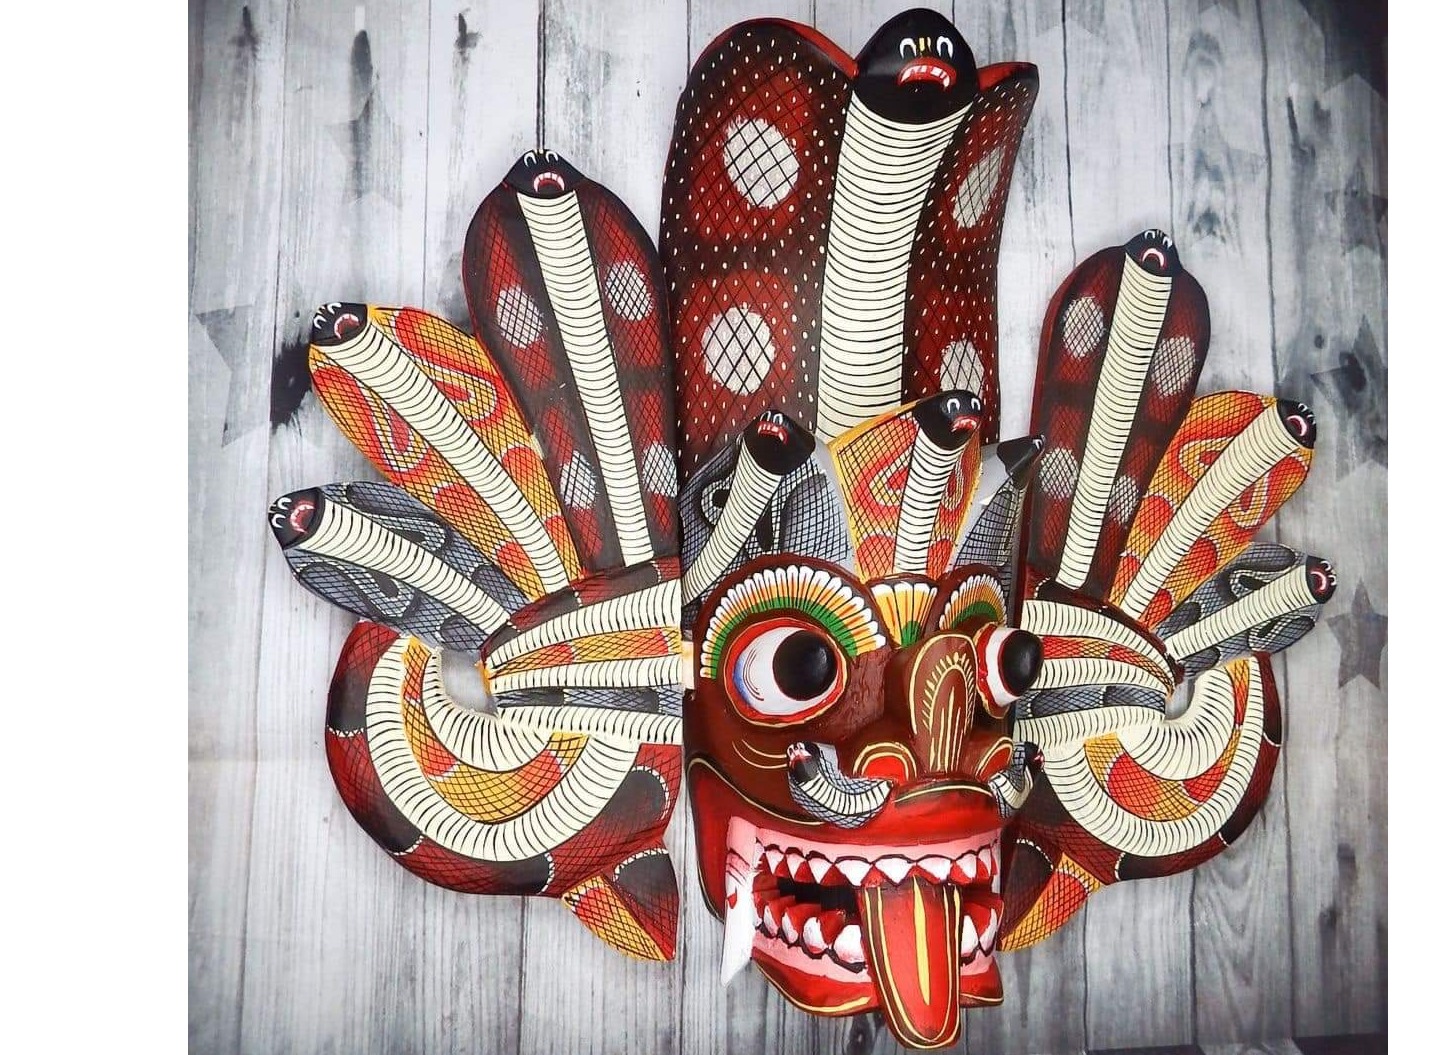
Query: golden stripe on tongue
(912,947)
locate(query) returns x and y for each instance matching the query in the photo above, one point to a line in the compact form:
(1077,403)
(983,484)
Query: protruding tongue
(912,946)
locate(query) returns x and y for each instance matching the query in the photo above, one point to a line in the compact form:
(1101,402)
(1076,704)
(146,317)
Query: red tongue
(912,946)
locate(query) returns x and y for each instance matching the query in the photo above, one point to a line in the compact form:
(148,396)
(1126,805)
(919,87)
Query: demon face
(849,762)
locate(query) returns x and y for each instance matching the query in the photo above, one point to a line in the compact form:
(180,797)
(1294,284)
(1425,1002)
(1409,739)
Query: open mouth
(1151,255)
(922,70)
(962,423)
(914,924)
(769,428)
(549,179)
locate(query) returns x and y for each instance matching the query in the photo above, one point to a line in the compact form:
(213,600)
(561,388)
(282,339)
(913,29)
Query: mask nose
(947,675)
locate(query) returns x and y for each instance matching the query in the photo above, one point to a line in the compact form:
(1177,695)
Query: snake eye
(907,48)
(783,671)
(945,48)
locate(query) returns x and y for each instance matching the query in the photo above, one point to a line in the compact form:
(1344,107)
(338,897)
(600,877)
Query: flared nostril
(1020,661)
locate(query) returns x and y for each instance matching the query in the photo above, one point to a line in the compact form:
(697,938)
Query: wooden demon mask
(743,512)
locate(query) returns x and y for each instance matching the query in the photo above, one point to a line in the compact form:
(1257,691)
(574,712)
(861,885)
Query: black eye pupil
(804,665)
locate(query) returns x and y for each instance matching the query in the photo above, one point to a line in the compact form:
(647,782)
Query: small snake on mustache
(822,789)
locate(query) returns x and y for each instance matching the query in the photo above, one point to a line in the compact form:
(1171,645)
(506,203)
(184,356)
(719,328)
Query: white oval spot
(738,349)
(578,482)
(1083,326)
(1124,497)
(1058,473)
(519,318)
(626,291)
(960,367)
(1175,364)
(973,197)
(760,162)
(659,471)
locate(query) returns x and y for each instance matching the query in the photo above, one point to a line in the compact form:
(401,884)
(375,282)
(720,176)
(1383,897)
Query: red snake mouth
(962,423)
(301,516)
(548,179)
(1148,254)
(769,428)
(921,70)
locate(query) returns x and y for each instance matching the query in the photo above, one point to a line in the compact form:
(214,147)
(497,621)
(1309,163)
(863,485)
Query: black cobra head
(950,418)
(777,442)
(1155,252)
(805,761)
(338,322)
(1019,456)
(1321,579)
(543,174)
(293,516)
(916,69)
(1298,419)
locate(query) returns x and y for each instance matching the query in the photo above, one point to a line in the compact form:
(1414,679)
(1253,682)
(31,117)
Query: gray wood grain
(237,76)
(1327,149)
(335,928)
(325,166)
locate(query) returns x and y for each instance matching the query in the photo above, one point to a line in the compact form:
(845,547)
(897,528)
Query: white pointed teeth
(798,892)
(979,928)
(893,869)
(937,868)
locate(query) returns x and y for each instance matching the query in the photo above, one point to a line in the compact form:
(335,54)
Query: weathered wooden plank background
(338,151)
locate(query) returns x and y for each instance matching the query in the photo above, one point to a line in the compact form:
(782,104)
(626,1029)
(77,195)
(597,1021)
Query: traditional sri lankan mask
(927,673)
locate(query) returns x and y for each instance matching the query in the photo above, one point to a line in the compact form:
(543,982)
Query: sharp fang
(893,869)
(740,918)
(853,870)
(937,868)
(775,859)
(795,862)
(820,867)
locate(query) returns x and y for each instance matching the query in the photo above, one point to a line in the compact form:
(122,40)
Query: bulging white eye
(945,48)
(1007,663)
(783,671)
(907,48)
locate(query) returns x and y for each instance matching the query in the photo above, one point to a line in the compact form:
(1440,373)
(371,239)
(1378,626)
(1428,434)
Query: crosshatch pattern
(340,150)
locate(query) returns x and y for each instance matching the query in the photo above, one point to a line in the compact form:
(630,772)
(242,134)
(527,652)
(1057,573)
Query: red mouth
(346,325)
(301,516)
(1147,254)
(963,423)
(921,70)
(768,428)
(900,915)
(549,179)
